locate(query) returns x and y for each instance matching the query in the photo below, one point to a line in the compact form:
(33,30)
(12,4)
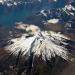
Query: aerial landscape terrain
(37,37)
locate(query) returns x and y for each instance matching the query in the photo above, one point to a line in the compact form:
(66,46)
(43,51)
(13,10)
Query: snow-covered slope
(16,2)
(46,44)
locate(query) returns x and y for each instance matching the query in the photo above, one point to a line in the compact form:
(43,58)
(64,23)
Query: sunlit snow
(46,44)
(53,21)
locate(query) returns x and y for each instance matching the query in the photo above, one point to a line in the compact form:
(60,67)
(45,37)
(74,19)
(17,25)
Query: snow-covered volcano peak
(46,44)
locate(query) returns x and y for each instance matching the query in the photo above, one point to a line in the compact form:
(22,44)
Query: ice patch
(53,21)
